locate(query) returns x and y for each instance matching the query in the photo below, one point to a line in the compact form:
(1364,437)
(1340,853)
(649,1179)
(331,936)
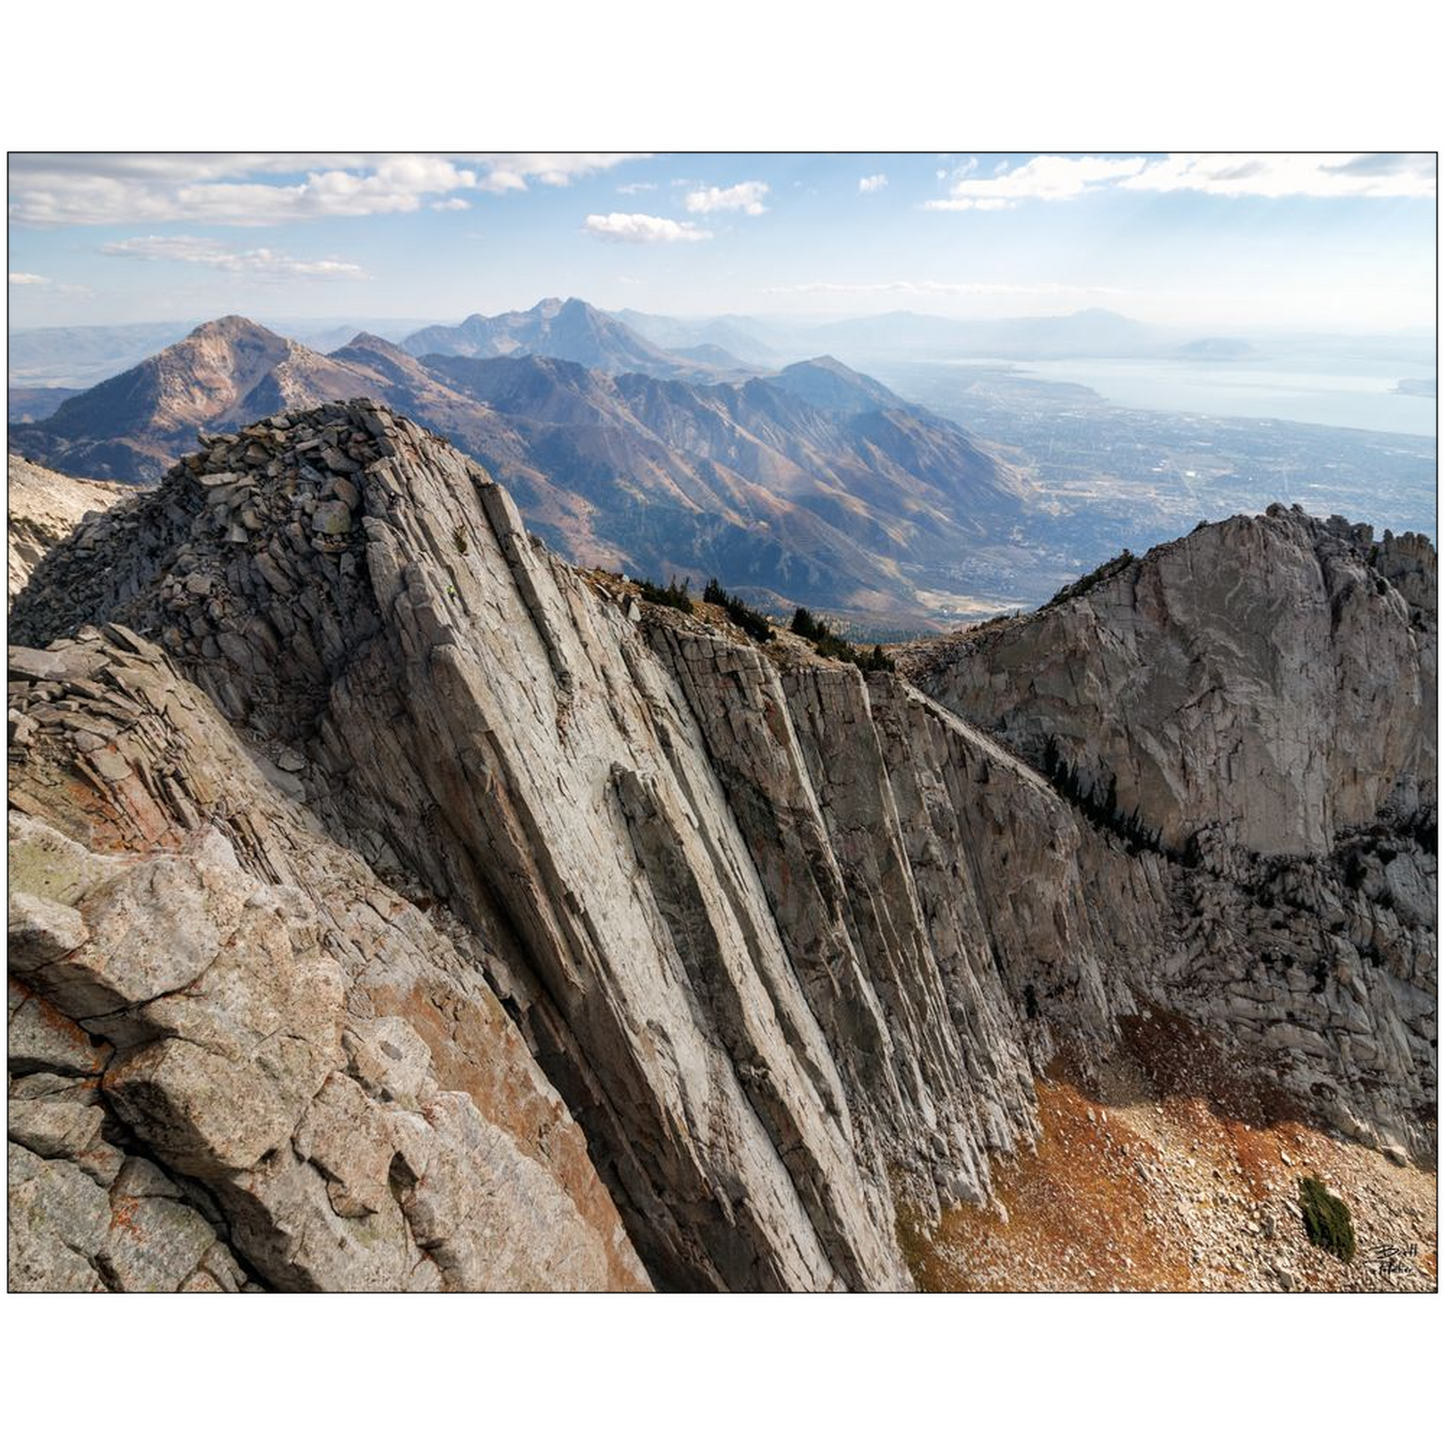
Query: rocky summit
(394,906)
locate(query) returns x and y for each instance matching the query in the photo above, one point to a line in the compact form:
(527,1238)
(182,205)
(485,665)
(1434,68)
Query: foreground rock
(791,943)
(238,1058)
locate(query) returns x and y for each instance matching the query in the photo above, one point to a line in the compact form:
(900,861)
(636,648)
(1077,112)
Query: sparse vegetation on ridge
(753,623)
(1101,573)
(827,643)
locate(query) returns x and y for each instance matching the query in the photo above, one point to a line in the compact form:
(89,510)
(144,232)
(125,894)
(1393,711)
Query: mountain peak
(823,363)
(370,341)
(231,328)
(825,382)
(571,330)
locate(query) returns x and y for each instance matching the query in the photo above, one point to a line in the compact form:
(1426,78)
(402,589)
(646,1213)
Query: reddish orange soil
(1169,1170)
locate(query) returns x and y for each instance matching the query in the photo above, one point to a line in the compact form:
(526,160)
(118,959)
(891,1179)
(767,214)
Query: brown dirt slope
(1168,1170)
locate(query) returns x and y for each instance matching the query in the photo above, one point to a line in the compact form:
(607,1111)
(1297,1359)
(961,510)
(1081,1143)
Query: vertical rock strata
(449,832)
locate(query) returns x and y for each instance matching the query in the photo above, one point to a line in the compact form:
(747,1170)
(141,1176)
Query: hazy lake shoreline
(1356,392)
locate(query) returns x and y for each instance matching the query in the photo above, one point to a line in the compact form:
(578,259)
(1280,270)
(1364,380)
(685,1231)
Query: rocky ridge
(790,943)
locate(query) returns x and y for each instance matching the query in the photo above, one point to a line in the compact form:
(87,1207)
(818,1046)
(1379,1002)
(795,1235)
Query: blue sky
(1313,242)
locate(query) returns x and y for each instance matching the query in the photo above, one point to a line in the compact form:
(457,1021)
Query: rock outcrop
(1268,678)
(790,943)
(238,1058)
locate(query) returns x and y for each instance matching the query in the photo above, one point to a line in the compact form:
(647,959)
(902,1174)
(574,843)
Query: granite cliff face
(483,859)
(1268,678)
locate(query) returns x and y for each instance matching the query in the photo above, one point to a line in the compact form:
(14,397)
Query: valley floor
(1148,1176)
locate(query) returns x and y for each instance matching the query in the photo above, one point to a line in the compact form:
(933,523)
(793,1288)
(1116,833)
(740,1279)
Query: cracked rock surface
(238,1058)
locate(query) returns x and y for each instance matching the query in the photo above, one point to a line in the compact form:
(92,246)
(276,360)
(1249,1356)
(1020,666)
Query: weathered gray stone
(43,1040)
(331,519)
(39,931)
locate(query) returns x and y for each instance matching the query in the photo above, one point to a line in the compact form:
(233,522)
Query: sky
(1212,242)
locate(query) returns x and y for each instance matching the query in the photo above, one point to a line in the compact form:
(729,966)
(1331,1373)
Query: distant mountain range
(735,335)
(813,485)
(572,330)
(1084,333)
(707,347)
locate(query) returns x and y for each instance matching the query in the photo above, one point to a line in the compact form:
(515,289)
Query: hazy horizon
(273,319)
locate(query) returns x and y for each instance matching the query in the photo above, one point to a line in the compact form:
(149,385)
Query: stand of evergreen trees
(1102,811)
(753,623)
(670,596)
(827,643)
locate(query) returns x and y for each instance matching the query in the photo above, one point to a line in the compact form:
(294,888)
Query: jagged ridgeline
(623,456)
(394,907)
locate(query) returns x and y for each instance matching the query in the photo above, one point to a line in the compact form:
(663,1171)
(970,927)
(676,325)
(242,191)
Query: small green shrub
(1326,1218)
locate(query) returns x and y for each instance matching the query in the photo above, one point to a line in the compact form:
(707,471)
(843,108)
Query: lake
(1351,392)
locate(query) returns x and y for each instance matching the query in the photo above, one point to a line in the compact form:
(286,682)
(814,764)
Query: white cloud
(247,189)
(453,203)
(746,196)
(501,180)
(1064,178)
(261,261)
(1044,178)
(945,288)
(643,230)
(634,188)
(868,184)
(28,278)
(1361,174)
(971,203)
